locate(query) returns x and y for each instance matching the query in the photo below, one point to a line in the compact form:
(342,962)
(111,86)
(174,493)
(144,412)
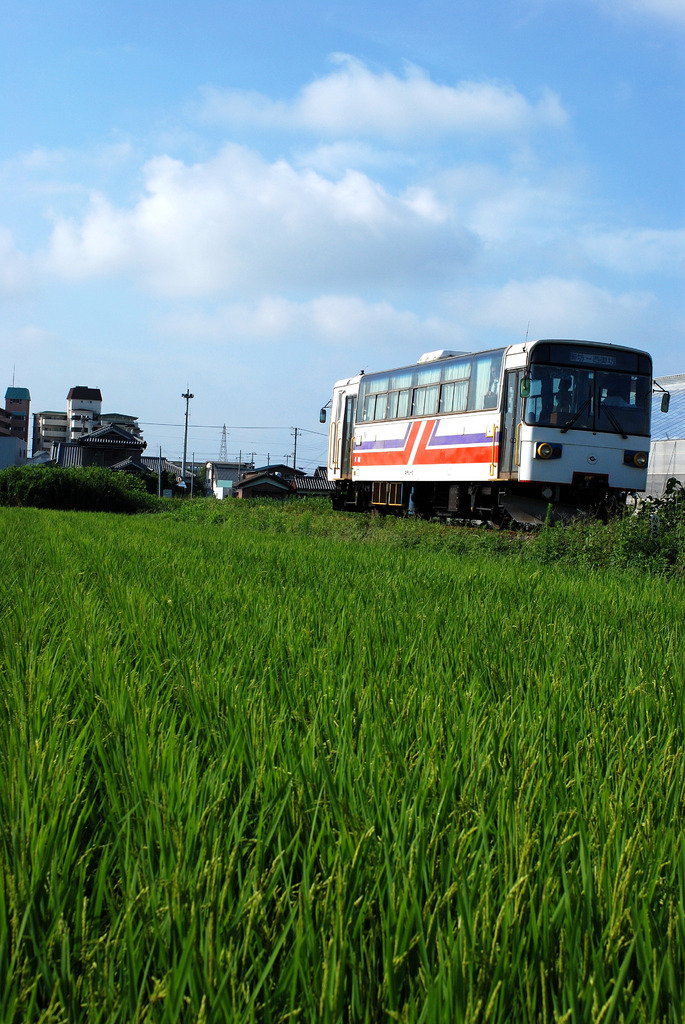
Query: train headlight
(545,450)
(639,459)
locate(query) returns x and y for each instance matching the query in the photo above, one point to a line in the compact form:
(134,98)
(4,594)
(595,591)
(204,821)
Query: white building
(83,412)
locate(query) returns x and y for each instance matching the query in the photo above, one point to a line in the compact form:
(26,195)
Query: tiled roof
(113,435)
(313,485)
(151,462)
(68,454)
(131,463)
(20,393)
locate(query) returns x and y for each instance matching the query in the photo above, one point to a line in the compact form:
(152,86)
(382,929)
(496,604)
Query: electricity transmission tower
(223,450)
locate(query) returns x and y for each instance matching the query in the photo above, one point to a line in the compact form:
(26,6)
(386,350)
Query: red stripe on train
(482,454)
(454,455)
(384,457)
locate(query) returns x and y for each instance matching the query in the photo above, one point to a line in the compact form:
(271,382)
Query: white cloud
(639,251)
(354,101)
(501,208)
(337,157)
(555,308)
(238,222)
(327,319)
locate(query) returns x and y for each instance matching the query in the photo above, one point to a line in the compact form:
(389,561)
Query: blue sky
(256,199)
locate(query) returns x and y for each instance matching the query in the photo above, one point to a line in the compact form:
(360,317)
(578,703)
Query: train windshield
(590,388)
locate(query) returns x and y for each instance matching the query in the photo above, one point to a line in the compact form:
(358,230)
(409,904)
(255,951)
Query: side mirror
(525,387)
(322,416)
(665,401)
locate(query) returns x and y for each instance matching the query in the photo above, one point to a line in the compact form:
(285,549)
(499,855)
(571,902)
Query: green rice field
(278,765)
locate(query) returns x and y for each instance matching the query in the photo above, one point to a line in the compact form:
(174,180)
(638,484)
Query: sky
(251,199)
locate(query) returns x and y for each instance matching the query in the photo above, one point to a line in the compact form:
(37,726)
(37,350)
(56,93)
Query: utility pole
(187,397)
(295,448)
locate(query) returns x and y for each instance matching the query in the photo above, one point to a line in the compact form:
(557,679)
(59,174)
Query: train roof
(349,381)
(518,348)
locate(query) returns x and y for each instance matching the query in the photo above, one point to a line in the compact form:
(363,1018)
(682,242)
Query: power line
(219,426)
(206,426)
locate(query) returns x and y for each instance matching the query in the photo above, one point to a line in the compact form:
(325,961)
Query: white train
(495,435)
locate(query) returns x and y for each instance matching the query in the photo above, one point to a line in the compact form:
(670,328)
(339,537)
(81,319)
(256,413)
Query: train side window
(403,403)
(425,400)
(391,411)
(454,395)
(485,381)
(381,406)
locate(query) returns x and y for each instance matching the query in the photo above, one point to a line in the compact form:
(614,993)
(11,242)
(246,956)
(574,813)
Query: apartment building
(83,412)
(49,427)
(14,418)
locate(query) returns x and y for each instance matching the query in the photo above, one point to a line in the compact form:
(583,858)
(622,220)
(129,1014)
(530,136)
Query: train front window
(625,401)
(575,398)
(560,395)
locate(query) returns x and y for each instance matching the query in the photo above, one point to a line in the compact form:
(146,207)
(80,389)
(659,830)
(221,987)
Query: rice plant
(269,768)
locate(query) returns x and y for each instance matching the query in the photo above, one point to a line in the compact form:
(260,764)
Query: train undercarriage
(500,504)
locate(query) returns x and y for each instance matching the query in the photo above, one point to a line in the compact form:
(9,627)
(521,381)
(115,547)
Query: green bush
(83,490)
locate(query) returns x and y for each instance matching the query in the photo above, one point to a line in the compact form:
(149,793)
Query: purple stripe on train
(374,446)
(451,440)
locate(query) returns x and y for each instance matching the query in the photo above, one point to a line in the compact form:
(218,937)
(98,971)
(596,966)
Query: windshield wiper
(577,415)
(614,422)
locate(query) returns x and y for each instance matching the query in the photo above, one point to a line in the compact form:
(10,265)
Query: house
(281,481)
(222,477)
(264,484)
(108,446)
(159,464)
(667,449)
(316,486)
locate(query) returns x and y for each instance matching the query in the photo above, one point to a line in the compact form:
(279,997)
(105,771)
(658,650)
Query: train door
(347,435)
(508,455)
